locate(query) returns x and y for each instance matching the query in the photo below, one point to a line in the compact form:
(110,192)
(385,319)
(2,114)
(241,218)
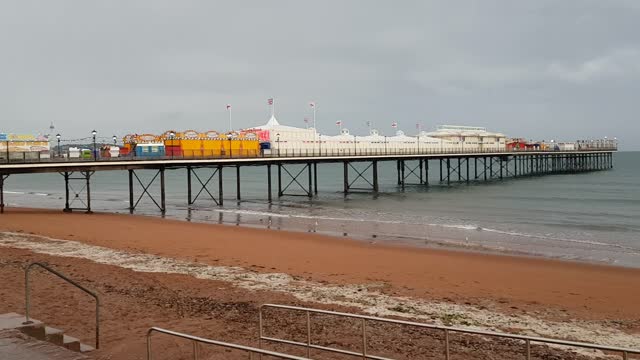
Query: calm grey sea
(591,217)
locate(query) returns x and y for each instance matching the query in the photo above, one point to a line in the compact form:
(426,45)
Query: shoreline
(530,284)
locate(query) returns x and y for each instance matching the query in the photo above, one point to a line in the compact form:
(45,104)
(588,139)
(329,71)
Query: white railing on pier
(24,158)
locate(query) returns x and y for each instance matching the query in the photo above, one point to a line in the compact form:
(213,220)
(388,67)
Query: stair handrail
(67,279)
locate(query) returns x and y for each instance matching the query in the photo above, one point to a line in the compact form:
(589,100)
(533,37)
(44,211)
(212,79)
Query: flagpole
(229,110)
(315,130)
(314,116)
(273,107)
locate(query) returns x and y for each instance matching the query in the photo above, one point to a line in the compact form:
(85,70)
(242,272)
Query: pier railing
(446,331)
(54,157)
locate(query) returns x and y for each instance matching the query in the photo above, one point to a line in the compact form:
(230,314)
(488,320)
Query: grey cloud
(540,69)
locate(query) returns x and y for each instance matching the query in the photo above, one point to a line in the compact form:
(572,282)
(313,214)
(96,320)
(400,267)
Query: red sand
(581,290)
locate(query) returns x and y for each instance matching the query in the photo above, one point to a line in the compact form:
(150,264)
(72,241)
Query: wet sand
(550,288)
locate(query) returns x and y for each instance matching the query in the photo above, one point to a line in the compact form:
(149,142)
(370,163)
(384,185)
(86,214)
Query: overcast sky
(538,69)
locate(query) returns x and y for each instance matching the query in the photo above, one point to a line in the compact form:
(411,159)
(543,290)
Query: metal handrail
(196,340)
(446,329)
(65,278)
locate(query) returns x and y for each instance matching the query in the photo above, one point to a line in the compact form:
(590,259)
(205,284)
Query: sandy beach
(541,289)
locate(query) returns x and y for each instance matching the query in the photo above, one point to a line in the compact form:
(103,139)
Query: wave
(295,216)
(464,227)
(26,193)
(543,237)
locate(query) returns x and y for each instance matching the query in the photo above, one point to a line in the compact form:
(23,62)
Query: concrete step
(54,336)
(37,330)
(15,345)
(71,343)
(84,348)
(33,328)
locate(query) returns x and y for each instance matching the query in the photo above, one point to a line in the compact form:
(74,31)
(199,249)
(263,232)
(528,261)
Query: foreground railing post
(97,323)
(446,344)
(308,334)
(195,350)
(260,325)
(528,349)
(364,339)
(149,356)
(27,301)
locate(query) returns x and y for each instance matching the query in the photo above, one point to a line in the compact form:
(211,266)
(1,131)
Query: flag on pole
(339,122)
(270,101)
(228,106)
(306,120)
(312,104)
(369,123)
(394,124)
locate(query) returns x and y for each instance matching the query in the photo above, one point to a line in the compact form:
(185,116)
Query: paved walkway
(14,345)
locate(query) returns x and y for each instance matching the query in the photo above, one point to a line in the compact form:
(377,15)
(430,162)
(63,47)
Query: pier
(297,174)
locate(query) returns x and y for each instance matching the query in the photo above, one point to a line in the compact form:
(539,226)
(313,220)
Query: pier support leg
(88,178)
(346,177)
(610,160)
(531,168)
(204,185)
(515,166)
(475,168)
(426,172)
(238,182)
(485,168)
(467,161)
(3,177)
(448,171)
(459,168)
(145,190)
(441,178)
(130,192)
(163,197)
(351,183)
(315,178)
(295,179)
(67,208)
(309,170)
(375,176)
(403,177)
(279,180)
(269,183)
(420,165)
(86,188)
(220,187)
(188,185)
(491,167)
(501,167)
(398,164)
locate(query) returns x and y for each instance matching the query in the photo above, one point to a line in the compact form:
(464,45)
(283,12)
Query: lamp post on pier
(95,150)
(59,152)
(385,144)
(172,135)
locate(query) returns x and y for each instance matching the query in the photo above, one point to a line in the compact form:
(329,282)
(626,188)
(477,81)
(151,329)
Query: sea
(590,217)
